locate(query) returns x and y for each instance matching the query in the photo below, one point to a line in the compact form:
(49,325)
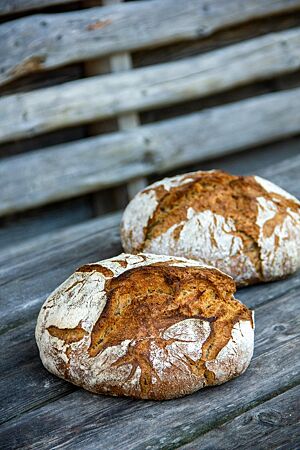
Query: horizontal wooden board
(41,42)
(276,322)
(17,6)
(122,423)
(101,97)
(252,162)
(98,162)
(220,39)
(16,229)
(273,424)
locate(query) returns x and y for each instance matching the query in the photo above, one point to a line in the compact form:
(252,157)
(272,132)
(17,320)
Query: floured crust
(245,226)
(146,326)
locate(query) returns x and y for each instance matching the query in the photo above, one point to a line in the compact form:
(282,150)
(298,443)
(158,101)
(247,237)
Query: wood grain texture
(276,322)
(99,162)
(219,39)
(274,424)
(252,162)
(16,229)
(92,420)
(101,97)
(52,40)
(16,6)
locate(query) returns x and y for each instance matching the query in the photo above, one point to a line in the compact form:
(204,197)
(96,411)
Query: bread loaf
(244,225)
(146,326)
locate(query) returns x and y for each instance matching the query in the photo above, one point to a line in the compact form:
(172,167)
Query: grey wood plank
(286,173)
(26,384)
(52,40)
(81,420)
(27,280)
(98,97)
(255,161)
(16,229)
(17,6)
(274,424)
(87,165)
(219,39)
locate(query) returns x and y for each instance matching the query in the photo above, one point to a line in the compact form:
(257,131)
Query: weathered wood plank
(276,322)
(14,230)
(52,40)
(84,166)
(286,173)
(108,423)
(17,6)
(254,161)
(82,101)
(220,39)
(50,259)
(274,424)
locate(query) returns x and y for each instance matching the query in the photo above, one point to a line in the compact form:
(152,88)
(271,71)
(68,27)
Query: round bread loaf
(146,326)
(243,225)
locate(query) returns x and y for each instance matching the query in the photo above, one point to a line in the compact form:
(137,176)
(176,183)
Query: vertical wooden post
(116,63)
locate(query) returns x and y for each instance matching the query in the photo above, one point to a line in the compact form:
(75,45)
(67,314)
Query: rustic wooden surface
(97,162)
(276,420)
(40,411)
(45,41)
(100,97)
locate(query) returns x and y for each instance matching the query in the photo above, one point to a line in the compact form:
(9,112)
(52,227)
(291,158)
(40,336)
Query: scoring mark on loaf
(215,218)
(148,329)
(142,207)
(279,240)
(96,268)
(233,359)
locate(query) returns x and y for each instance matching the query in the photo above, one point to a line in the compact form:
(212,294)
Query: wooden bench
(187,103)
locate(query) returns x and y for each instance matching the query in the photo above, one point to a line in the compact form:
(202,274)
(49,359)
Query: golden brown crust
(68,335)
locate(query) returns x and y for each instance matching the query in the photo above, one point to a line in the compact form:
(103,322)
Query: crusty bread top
(139,318)
(244,214)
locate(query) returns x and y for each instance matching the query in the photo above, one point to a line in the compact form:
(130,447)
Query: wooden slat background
(100,97)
